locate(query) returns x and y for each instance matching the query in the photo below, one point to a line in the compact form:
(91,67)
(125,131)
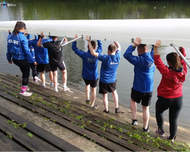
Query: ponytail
(19,25)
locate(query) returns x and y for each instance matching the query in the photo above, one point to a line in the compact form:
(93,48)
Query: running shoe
(146,130)
(117,110)
(56,89)
(172,140)
(36,79)
(95,107)
(106,111)
(158,131)
(87,101)
(26,94)
(44,85)
(51,84)
(134,122)
(66,89)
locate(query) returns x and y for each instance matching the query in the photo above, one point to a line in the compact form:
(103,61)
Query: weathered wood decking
(106,131)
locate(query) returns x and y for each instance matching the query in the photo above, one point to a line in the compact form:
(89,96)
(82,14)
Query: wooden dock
(85,129)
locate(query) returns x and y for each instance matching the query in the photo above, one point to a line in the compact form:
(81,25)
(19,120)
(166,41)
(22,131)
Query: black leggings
(34,70)
(25,69)
(174,105)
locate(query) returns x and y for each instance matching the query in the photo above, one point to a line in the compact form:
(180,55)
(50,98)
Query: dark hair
(141,47)
(174,60)
(53,37)
(93,43)
(19,25)
(111,48)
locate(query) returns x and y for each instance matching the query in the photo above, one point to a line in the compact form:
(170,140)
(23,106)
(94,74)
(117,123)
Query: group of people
(169,91)
(42,55)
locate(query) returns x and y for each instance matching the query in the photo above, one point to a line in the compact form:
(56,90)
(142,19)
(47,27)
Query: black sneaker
(87,101)
(106,111)
(117,110)
(134,122)
(146,130)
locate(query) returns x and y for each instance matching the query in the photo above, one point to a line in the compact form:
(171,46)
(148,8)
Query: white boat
(176,31)
(169,31)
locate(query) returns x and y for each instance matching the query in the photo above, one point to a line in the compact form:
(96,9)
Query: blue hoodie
(90,63)
(144,68)
(41,53)
(17,48)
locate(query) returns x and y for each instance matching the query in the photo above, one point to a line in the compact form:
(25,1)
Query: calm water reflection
(97,9)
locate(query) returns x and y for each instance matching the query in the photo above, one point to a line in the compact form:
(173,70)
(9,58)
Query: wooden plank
(90,116)
(7,144)
(20,135)
(107,144)
(45,135)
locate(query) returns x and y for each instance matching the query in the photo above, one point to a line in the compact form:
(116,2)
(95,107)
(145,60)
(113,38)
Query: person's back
(90,63)
(109,67)
(172,80)
(54,51)
(41,54)
(143,70)
(17,50)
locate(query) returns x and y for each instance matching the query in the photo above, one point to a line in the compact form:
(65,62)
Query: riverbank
(88,129)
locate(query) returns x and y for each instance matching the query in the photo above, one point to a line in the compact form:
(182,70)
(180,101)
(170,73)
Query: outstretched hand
(87,38)
(157,43)
(137,41)
(42,34)
(76,36)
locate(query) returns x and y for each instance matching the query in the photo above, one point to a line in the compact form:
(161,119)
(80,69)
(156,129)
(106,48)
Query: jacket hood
(178,76)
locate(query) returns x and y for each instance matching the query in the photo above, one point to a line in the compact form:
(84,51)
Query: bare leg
(105,101)
(87,92)
(64,78)
(51,76)
(133,106)
(93,96)
(55,78)
(146,115)
(43,78)
(115,98)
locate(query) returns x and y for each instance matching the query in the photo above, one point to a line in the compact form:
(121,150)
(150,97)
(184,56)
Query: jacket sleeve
(26,50)
(152,52)
(80,53)
(183,62)
(99,49)
(164,70)
(131,58)
(8,54)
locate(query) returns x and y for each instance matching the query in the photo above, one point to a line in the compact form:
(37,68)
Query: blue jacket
(144,68)
(41,54)
(109,67)
(90,63)
(17,48)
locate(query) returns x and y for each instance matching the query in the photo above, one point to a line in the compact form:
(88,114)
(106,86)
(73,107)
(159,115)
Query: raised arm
(117,45)
(91,48)
(157,44)
(40,40)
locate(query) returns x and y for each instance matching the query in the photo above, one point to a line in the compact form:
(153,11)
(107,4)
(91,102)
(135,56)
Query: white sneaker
(56,89)
(36,79)
(66,88)
(26,94)
(51,84)
(44,85)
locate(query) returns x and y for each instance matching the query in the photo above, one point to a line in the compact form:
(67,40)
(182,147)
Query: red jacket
(172,81)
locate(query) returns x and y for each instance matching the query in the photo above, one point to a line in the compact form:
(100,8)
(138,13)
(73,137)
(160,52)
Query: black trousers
(174,105)
(25,69)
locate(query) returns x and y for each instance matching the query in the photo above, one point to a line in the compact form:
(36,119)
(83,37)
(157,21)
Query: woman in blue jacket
(18,52)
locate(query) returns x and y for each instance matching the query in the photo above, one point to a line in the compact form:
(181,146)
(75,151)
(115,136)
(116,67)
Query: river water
(99,9)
